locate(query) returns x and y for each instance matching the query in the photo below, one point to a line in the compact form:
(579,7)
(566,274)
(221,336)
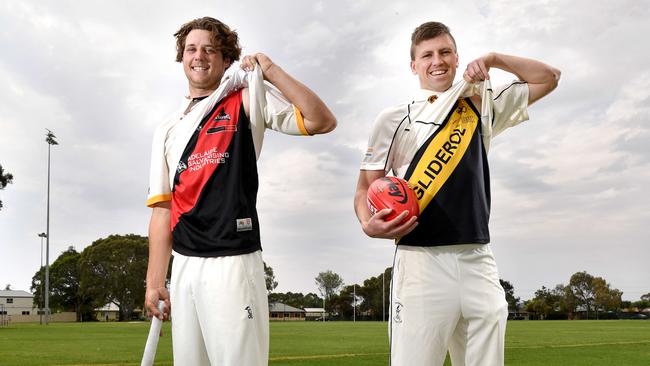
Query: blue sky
(568,187)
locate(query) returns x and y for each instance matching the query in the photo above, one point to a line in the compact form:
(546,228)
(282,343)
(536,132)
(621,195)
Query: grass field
(530,343)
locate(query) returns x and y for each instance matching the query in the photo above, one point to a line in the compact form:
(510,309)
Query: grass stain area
(530,343)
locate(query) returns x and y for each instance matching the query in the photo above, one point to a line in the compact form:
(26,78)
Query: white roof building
(16,302)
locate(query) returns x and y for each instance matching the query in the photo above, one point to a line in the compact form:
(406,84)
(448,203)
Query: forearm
(529,70)
(361,206)
(160,248)
(317,116)
(541,78)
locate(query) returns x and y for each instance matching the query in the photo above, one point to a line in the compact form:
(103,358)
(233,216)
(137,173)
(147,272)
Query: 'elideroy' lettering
(440,159)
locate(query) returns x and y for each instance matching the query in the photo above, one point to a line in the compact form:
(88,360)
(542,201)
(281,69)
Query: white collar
(424,94)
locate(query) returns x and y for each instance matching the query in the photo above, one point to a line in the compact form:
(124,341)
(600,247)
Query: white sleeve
(159,189)
(379,143)
(273,108)
(270,109)
(281,115)
(510,106)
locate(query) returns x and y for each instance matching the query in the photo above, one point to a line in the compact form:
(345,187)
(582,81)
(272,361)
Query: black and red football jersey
(215,187)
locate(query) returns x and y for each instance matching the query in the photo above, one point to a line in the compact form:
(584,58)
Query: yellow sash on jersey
(443,153)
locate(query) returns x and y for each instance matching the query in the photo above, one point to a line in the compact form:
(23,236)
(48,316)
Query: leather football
(394,193)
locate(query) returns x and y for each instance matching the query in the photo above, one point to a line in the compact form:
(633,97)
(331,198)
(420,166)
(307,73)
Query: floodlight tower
(51,140)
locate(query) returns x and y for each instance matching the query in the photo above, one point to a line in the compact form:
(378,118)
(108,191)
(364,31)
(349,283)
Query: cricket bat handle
(152,339)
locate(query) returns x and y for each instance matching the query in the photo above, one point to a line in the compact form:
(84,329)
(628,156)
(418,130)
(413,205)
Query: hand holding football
(393,193)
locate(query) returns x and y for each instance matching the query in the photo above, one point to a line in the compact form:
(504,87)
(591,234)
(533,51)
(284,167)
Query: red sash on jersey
(215,134)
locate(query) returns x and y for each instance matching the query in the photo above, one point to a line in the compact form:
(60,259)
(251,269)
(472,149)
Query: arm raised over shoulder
(541,78)
(317,116)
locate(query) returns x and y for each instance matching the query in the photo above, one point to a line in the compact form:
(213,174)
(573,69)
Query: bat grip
(152,339)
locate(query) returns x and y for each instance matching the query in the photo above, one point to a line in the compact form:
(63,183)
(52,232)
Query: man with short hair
(203,191)
(445,290)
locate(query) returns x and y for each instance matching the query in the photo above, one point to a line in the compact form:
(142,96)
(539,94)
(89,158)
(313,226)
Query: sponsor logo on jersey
(245,224)
(199,160)
(222,116)
(249,311)
(439,160)
(229,128)
(442,154)
(181,167)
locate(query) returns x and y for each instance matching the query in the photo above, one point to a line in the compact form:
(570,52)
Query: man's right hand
(378,227)
(151,298)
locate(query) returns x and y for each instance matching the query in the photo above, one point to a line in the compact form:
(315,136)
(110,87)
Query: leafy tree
(341,304)
(592,293)
(513,302)
(547,301)
(581,288)
(641,304)
(569,300)
(114,270)
(605,298)
(8,287)
(375,299)
(297,299)
(541,304)
(37,287)
(64,286)
(269,277)
(328,283)
(5,178)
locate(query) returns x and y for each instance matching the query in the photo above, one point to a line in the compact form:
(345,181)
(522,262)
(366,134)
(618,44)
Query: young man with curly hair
(203,191)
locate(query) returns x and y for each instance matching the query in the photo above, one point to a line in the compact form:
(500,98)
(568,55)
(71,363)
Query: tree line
(584,297)
(110,270)
(113,270)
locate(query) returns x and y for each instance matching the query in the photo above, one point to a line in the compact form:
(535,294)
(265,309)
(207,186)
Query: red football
(394,193)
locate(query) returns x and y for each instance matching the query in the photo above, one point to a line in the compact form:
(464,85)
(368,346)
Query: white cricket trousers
(447,298)
(220,313)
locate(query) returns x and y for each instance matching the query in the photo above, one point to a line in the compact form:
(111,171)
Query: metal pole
(47,244)
(50,139)
(354,301)
(383,296)
(40,302)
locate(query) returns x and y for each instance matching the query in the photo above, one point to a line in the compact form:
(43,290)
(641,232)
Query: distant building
(315,313)
(16,302)
(280,311)
(108,312)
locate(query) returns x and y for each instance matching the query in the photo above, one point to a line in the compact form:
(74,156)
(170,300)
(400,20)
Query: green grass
(530,343)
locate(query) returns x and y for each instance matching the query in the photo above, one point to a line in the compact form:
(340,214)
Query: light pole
(40,312)
(354,302)
(50,139)
(383,296)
